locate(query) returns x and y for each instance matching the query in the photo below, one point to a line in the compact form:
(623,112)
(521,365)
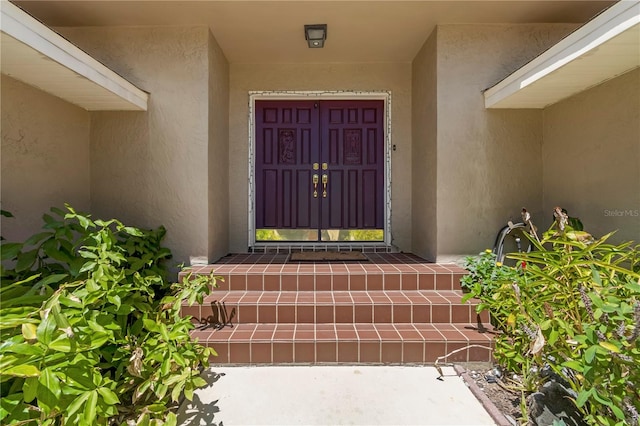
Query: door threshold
(363,247)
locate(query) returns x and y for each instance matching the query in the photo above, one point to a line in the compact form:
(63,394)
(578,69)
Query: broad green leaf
(52,279)
(76,404)
(199,382)
(609,346)
(84,222)
(590,354)
(574,365)
(50,381)
(177,391)
(164,332)
(88,266)
(62,344)
(171,420)
(97,340)
(10,250)
(143,420)
(48,392)
(46,330)
(89,414)
(151,325)
(26,260)
(57,253)
(8,404)
(133,231)
(29,332)
(5,288)
(37,238)
(29,389)
(6,213)
(71,302)
(22,348)
(108,396)
(61,319)
(617,412)
(79,376)
(583,397)
(156,408)
(24,370)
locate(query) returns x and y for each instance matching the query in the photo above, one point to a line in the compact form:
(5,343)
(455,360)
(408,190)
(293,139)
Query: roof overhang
(39,57)
(602,49)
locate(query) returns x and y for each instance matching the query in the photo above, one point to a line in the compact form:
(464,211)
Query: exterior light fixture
(315,35)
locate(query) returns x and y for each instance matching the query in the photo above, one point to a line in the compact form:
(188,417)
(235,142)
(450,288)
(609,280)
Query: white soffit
(603,48)
(39,57)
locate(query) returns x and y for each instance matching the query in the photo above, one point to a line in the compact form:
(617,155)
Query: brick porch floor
(395,308)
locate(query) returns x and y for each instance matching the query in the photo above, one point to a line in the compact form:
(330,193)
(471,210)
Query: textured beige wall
(591,157)
(151,169)
(489,162)
(218,151)
(44,157)
(424,150)
(360,77)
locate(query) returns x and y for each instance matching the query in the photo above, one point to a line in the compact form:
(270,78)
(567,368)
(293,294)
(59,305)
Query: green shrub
(91,329)
(575,309)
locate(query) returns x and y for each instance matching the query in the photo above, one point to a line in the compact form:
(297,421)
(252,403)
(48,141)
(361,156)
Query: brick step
(332,277)
(342,307)
(359,343)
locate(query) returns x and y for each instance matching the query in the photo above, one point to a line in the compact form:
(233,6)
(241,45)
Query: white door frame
(320,95)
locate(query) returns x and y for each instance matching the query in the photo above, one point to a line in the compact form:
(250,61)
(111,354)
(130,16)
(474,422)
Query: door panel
(286,141)
(319,170)
(354,149)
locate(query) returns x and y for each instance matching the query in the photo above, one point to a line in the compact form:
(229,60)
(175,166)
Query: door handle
(315,186)
(325,179)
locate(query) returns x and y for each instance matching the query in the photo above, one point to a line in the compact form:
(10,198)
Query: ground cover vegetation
(90,327)
(569,313)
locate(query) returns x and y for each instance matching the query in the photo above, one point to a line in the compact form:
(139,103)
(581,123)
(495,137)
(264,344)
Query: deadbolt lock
(316,166)
(325,166)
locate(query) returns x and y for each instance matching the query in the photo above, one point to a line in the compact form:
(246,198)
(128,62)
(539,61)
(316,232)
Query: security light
(315,35)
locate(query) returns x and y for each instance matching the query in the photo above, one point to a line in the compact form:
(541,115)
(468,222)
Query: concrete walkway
(333,395)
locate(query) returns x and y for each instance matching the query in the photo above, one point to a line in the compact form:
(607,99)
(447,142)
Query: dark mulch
(507,402)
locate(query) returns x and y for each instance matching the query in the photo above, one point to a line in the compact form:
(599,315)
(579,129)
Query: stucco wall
(489,162)
(151,169)
(591,157)
(218,151)
(424,150)
(317,77)
(44,157)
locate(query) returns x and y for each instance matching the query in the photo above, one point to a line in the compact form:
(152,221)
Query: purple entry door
(319,170)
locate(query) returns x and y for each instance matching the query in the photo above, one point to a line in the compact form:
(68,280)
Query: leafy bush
(575,309)
(91,330)
(485,273)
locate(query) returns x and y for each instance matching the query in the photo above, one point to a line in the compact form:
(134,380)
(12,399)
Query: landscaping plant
(90,328)
(573,309)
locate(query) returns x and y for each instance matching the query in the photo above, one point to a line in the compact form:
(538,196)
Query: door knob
(315,186)
(325,179)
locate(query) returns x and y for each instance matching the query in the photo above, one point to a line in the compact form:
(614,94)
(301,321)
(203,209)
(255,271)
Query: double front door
(319,170)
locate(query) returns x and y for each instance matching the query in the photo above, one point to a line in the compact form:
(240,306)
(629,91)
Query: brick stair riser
(346,314)
(346,351)
(337,282)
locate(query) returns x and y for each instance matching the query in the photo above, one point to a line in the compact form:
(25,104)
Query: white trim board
(38,56)
(320,95)
(602,49)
